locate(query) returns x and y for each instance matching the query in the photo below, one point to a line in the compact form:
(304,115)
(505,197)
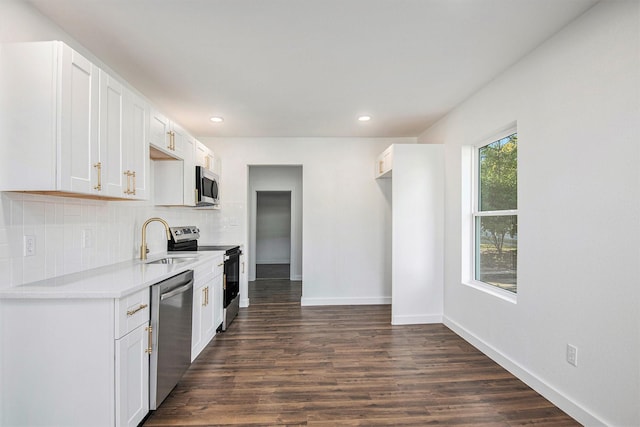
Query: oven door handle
(176,291)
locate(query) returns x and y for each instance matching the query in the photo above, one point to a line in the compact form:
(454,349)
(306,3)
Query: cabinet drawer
(131,312)
(218,265)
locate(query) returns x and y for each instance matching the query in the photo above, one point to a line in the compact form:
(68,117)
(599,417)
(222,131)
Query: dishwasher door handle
(176,291)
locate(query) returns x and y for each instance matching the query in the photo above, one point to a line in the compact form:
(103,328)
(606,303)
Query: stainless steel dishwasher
(171,317)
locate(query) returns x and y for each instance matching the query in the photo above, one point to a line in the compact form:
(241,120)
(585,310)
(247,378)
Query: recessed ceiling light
(364,118)
(216,119)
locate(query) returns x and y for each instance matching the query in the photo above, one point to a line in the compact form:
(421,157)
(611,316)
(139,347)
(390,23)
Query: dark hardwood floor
(273,271)
(283,364)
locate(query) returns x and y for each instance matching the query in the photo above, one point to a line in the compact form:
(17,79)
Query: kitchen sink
(171,260)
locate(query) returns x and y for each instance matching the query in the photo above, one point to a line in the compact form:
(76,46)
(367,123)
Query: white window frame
(470,207)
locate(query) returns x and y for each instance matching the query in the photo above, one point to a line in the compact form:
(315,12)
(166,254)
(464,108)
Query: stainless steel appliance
(185,238)
(207,184)
(171,317)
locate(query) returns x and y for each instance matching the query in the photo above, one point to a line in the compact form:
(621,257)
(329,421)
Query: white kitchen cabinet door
(183,143)
(169,138)
(112,143)
(80,168)
(136,146)
(204,156)
(132,377)
(160,135)
(202,325)
(208,326)
(384,164)
(196,321)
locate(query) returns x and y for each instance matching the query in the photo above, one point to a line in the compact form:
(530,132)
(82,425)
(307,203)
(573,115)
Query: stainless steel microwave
(207,187)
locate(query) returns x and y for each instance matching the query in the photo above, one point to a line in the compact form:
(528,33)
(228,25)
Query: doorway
(280,190)
(273,235)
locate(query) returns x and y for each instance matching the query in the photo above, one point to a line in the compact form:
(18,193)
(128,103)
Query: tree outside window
(495,217)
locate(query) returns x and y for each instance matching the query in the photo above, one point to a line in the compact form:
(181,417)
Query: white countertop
(111,281)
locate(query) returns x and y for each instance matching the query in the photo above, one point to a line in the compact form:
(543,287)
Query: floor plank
(283,364)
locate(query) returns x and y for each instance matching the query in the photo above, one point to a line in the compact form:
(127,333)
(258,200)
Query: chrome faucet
(143,247)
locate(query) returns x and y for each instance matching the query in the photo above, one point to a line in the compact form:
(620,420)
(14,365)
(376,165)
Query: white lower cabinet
(132,377)
(207,305)
(74,362)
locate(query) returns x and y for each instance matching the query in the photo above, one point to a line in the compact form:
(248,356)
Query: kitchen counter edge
(109,281)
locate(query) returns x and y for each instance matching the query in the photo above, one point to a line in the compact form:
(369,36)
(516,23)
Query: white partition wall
(417,234)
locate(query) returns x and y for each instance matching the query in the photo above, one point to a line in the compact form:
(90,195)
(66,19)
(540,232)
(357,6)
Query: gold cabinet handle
(127,191)
(98,166)
(149,330)
(380,164)
(207,162)
(204,297)
(172,140)
(132,312)
(131,177)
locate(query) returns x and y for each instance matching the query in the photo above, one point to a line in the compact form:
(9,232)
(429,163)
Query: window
(494,214)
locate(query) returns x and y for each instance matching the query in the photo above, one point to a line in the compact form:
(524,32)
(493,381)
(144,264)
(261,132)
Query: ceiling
(309,67)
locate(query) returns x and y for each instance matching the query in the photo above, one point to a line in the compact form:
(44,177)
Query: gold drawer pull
(132,312)
(150,331)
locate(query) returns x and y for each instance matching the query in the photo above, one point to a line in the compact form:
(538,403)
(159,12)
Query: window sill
(492,290)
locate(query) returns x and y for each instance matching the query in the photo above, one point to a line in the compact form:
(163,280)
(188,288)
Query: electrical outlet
(29,245)
(572,355)
(87,238)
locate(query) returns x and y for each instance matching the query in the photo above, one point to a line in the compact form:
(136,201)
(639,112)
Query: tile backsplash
(72,235)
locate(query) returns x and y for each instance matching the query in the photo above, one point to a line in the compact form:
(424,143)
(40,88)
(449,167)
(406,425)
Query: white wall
(345,212)
(576,100)
(277,178)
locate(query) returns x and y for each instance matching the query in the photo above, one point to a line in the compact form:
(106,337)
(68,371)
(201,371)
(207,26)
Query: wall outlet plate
(29,245)
(572,355)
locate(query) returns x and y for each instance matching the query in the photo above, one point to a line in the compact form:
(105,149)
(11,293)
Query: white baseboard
(244,302)
(296,277)
(346,301)
(416,319)
(576,411)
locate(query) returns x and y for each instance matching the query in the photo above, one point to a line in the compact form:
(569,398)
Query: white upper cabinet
(206,158)
(166,137)
(136,146)
(175,180)
(80,162)
(111,135)
(61,119)
(49,111)
(384,164)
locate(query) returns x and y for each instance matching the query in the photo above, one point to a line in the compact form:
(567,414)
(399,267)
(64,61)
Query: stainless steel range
(185,238)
